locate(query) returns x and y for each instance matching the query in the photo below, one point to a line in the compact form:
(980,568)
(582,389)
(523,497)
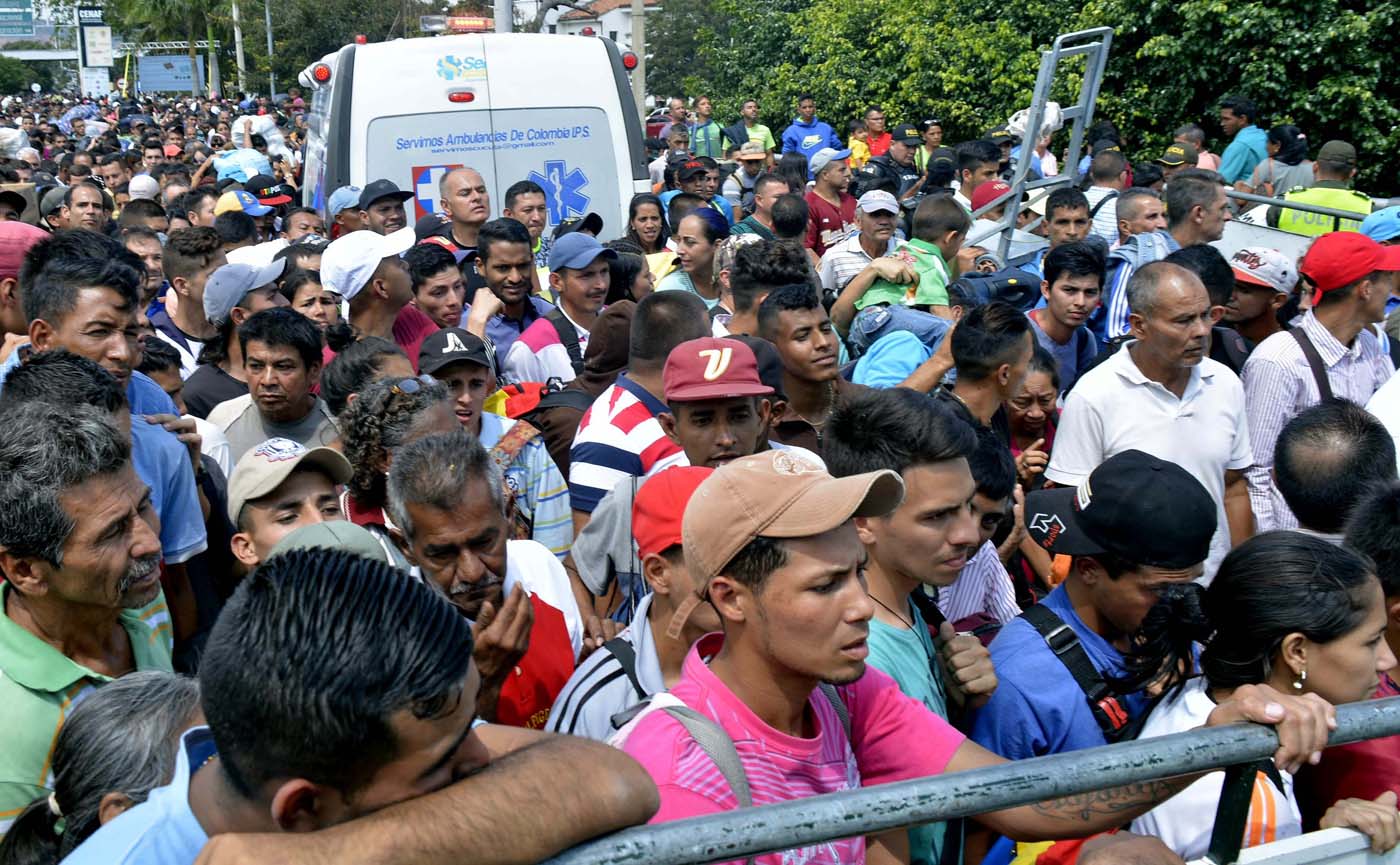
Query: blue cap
(576,251)
(342,198)
(1382,225)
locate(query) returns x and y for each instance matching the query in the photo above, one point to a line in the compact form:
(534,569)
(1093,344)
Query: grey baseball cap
(231,283)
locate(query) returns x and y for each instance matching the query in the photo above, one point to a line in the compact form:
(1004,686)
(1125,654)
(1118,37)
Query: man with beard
(381,207)
(80,550)
(505,308)
(445,496)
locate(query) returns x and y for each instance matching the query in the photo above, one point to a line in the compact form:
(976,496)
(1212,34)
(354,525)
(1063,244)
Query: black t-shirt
(209,386)
(999,426)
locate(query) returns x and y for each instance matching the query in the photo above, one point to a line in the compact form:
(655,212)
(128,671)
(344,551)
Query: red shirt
(411,327)
(828,225)
(1362,770)
(879,144)
(530,689)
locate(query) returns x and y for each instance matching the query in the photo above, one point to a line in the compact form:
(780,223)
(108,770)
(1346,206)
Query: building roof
(598,8)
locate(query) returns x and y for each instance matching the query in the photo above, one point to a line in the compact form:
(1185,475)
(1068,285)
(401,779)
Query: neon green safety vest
(1316,224)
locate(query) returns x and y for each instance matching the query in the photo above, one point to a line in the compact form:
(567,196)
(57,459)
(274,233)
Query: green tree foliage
(15,75)
(1321,64)
(1325,65)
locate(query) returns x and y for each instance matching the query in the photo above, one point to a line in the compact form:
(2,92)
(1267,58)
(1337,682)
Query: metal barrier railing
(1337,215)
(752,831)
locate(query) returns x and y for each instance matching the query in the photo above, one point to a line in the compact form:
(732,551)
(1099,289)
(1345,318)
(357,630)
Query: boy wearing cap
(1334,351)
(381,207)
(539,497)
(1136,526)
(233,294)
(282,360)
(278,487)
(693,178)
(877,216)
(667,622)
(343,211)
(579,276)
(1264,280)
(718,409)
(368,272)
(739,187)
(831,209)
(771,541)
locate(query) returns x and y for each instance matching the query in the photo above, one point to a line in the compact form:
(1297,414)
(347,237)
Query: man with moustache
(80,549)
(445,496)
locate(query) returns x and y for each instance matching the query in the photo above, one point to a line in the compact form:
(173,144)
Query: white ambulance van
(554,109)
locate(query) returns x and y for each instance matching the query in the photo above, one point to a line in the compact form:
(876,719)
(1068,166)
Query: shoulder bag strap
(1064,642)
(1102,201)
(568,337)
(1319,369)
(627,657)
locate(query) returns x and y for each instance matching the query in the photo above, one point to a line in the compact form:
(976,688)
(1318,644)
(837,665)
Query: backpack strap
(1319,369)
(568,337)
(1064,642)
(833,697)
(1102,201)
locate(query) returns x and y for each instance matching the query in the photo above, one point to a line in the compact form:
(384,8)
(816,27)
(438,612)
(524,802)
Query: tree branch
(547,5)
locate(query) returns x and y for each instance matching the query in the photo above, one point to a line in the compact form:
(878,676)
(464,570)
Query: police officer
(1335,168)
(896,169)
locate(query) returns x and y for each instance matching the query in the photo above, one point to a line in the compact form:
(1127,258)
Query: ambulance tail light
(461,97)
(629,61)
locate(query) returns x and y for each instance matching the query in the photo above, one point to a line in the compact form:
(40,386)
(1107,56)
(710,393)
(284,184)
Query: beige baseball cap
(778,495)
(264,468)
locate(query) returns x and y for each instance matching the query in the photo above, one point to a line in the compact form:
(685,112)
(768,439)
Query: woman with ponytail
(116,746)
(1288,610)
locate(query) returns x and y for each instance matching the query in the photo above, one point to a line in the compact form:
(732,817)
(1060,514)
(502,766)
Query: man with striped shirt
(1352,278)
(619,436)
(646,658)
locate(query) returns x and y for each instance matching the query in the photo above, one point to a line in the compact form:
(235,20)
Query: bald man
(466,200)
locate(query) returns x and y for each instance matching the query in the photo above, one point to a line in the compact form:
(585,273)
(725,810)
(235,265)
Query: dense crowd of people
(325,536)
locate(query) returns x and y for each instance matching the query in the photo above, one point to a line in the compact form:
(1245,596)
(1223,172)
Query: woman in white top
(1285,609)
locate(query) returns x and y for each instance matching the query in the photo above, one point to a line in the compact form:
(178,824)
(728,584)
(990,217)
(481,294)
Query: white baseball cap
(143,186)
(350,261)
(1269,268)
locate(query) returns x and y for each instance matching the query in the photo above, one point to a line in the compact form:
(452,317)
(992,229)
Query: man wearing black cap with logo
(537,497)
(1137,526)
(896,166)
(381,207)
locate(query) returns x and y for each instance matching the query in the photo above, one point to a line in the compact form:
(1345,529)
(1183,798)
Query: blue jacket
(808,138)
(1247,150)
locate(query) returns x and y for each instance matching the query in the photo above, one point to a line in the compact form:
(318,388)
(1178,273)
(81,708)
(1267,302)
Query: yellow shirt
(860,153)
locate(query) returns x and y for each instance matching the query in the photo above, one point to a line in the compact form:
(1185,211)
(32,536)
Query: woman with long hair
(116,746)
(1288,610)
(646,223)
(699,233)
(630,278)
(792,167)
(1287,167)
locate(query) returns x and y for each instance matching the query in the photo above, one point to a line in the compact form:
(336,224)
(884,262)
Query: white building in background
(610,18)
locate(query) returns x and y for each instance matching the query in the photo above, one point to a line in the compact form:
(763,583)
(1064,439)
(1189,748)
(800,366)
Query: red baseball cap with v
(712,368)
(1341,258)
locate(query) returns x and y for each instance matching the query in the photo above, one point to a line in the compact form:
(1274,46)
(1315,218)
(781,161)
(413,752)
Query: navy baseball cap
(1145,511)
(576,250)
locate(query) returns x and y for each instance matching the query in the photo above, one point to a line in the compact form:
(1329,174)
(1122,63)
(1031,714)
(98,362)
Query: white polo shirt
(1114,408)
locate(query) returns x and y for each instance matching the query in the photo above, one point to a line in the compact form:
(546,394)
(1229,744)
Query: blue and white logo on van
(563,190)
(425,188)
(453,68)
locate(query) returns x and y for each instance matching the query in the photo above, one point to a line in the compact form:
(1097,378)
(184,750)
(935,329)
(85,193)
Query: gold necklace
(826,412)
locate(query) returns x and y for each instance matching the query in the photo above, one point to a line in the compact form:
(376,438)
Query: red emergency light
(321,73)
(629,61)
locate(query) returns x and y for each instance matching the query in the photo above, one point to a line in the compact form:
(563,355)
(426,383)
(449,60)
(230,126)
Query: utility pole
(639,48)
(271,75)
(238,50)
(505,16)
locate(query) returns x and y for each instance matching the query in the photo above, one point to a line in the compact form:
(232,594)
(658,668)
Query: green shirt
(932,271)
(705,139)
(749,225)
(39,686)
(908,656)
(763,135)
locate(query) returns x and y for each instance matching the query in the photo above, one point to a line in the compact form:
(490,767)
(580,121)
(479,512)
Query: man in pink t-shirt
(770,540)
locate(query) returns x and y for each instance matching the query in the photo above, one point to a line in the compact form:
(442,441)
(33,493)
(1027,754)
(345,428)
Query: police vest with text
(1316,224)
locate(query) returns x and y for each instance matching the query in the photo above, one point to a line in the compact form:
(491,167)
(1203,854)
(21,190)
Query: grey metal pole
(271,75)
(752,831)
(238,49)
(505,16)
(639,48)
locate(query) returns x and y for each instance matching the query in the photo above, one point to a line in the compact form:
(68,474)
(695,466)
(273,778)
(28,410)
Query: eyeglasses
(411,385)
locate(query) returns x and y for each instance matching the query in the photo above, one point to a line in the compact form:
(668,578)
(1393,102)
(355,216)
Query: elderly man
(877,215)
(80,551)
(1161,394)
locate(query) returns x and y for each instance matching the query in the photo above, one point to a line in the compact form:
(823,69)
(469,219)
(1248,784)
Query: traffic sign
(16,17)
